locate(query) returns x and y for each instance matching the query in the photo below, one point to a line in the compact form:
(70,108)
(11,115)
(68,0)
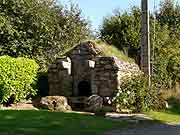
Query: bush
(173,99)
(135,95)
(17,78)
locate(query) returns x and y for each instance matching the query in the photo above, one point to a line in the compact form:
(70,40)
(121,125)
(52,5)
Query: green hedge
(18,77)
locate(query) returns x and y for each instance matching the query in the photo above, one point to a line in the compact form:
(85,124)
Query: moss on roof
(105,50)
(111,50)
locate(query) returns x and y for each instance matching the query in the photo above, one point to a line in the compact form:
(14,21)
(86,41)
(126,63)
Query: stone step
(77,103)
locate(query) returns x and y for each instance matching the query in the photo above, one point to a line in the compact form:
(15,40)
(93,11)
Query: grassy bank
(165,117)
(172,114)
(105,50)
(111,50)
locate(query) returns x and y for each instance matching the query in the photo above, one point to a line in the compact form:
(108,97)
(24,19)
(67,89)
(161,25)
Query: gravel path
(140,124)
(157,129)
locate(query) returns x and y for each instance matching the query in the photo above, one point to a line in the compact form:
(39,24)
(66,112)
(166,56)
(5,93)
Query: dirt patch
(19,106)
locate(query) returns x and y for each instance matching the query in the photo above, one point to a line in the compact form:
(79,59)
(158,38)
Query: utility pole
(145,40)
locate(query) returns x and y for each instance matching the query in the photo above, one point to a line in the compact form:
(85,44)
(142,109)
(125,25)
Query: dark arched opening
(84,88)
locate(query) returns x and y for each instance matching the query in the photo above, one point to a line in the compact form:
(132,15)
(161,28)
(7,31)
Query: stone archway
(84,88)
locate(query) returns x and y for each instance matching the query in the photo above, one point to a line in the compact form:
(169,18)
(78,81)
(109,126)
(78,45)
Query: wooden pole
(145,40)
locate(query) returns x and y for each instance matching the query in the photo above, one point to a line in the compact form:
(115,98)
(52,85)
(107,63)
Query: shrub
(173,99)
(135,95)
(17,78)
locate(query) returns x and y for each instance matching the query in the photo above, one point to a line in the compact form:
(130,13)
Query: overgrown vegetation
(111,50)
(132,93)
(105,50)
(136,95)
(17,78)
(173,99)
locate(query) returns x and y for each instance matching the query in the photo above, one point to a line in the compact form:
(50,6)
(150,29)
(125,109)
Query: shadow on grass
(54,123)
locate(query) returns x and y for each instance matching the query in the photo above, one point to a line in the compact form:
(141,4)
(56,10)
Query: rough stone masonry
(85,72)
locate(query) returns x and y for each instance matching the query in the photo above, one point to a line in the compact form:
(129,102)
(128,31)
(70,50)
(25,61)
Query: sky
(96,10)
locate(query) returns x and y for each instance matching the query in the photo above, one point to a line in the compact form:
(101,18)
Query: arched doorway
(84,88)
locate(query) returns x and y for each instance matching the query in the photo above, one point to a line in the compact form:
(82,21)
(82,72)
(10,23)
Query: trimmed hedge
(18,78)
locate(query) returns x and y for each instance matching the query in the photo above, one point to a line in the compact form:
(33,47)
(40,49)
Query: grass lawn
(172,114)
(54,123)
(166,116)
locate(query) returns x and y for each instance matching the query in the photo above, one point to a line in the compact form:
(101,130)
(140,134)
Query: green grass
(111,50)
(54,123)
(106,50)
(165,117)
(172,114)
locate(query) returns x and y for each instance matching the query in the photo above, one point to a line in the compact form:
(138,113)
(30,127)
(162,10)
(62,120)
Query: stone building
(85,72)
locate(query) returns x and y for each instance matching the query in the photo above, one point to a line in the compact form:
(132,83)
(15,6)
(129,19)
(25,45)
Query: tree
(39,29)
(123,30)
(169,14)
(166,64)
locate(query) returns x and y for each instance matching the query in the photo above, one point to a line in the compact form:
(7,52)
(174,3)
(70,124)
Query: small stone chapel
(84,72)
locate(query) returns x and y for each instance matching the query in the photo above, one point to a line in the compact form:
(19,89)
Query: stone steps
(77,103)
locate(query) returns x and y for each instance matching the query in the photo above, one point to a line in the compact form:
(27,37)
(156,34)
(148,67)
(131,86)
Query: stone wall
(108,73)
(59,78)
(85,50)
(82,64)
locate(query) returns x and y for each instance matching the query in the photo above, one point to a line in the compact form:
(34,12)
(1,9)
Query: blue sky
(95,10)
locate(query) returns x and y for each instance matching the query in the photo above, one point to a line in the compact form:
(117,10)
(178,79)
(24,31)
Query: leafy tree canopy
(169,14)
(39,29)
(123,29)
